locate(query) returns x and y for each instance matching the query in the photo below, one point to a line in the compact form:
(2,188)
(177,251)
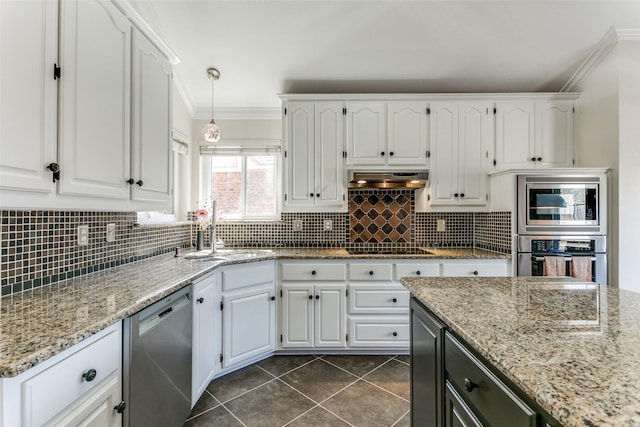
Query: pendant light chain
(211,131)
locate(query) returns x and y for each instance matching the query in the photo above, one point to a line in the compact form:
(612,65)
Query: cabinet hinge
(56,72)
(573,162)
(285,154)
(280,293)
(221,305)
(344,198)
(428,111)
(346,338)
(494,162)
(486,196)
(428,154)
(344,154)
(344,111)
(428,197)
(285,197)
(285,111)
(346,292)
(280,337)
(221,357)
(574,110)
(494,110)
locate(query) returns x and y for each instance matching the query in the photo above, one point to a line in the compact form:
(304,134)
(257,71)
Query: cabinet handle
(139,182)
(475,272)
(200,300)
(313,272)
(90,375)
(120,407)
(317,296)
(395,334)
(418,273)
(310,296)
(391,153)
(469,385)
(371,273)
(395,300)
(55,170)
(382,153)
(539,159)
(130,181)
(272,298)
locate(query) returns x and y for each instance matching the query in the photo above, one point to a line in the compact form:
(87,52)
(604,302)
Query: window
(243,181)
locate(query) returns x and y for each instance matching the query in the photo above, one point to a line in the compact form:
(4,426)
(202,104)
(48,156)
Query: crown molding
(236,113)
(598,54)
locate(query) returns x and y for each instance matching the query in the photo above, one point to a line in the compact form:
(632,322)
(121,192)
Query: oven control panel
(562,246)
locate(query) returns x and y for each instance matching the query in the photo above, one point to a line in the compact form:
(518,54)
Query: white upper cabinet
(366,133)
(461,134)
(152,90)
(314,146)
(387,133)
(534,133)
(28,91)
(94,144)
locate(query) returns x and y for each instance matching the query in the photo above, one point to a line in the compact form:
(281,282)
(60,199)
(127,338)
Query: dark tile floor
(309,391)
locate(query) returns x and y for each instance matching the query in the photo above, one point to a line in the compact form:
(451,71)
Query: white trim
(598,54)
(237,113)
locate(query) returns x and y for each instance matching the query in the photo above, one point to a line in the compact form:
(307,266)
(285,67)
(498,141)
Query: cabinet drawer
(417,270)
(368,299)
(55,388)
(239,276)
(374,331)
(315,272)
(371,272)
(450,269)
(496,404)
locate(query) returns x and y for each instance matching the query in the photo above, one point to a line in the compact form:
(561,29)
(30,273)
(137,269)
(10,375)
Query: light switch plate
(328,225)
(83,235)
(442,225)
(297,225)
(111,232)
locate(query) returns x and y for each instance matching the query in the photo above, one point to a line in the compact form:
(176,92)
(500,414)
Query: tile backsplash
(40,247)
(380,216)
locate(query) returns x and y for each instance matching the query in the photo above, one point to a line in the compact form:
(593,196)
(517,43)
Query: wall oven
(577,256)
(562,204)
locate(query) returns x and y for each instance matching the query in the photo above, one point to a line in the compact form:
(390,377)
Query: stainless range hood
(389,180)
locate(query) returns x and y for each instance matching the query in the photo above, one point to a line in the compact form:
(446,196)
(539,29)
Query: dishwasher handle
(170,307)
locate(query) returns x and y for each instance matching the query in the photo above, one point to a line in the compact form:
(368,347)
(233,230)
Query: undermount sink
(205,255)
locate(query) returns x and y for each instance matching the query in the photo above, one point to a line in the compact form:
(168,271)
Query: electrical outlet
(297,225)
(442,225)
(328,225)
(83,235)
(111,232)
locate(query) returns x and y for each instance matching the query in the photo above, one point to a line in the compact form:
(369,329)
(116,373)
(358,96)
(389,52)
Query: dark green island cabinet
(451,386)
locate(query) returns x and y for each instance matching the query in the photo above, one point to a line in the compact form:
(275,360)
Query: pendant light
(211,131)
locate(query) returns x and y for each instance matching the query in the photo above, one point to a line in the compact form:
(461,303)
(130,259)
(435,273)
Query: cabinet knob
(469,385)
(395,300)
(533,159)
(310,296)
(310,194)
(382,153)
(455,195)
(395,334)
(317,296)
(313,272)
(139,182)
(475,272)
(272,298)
(391,153)
(461,194)
(130,181)
(371,273)
(418,273)
(90,375)
(120,407)
(55,170)
(200,300)
(539,159)
(317,194)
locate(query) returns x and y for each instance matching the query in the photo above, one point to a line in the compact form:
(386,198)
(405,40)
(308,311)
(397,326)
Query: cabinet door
(366,134)
(297,315)
(474,135)
(444,148)
(28,51)
(97,409)
(330,329)
(151,157)
(329,144)
(554,133)
(514,134)
(299,154)
(94,119)
(408,139)
(248,320)
(204,346)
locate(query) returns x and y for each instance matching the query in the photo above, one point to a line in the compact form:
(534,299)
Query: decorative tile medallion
(380,216)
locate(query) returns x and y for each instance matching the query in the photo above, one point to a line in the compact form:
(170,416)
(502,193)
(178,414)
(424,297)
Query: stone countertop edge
(39,323)
(581,373)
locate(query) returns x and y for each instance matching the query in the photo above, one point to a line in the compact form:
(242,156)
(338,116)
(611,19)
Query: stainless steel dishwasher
(157,363)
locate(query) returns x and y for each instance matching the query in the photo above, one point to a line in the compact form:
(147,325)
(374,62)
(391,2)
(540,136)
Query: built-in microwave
(561,204)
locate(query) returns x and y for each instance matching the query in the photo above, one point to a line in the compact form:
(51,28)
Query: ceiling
(267,47)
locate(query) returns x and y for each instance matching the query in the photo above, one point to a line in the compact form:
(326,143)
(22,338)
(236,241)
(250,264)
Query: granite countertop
(40,323)
(573,347)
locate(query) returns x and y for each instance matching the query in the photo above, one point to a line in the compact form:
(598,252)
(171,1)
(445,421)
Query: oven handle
(566,258)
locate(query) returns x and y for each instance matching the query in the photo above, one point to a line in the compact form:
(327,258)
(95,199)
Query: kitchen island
(570,349)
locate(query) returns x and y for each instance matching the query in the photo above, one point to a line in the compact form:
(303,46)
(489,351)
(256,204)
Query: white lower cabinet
(79,386)
(480,268)
(248,312)
(205,337)
(379,331)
